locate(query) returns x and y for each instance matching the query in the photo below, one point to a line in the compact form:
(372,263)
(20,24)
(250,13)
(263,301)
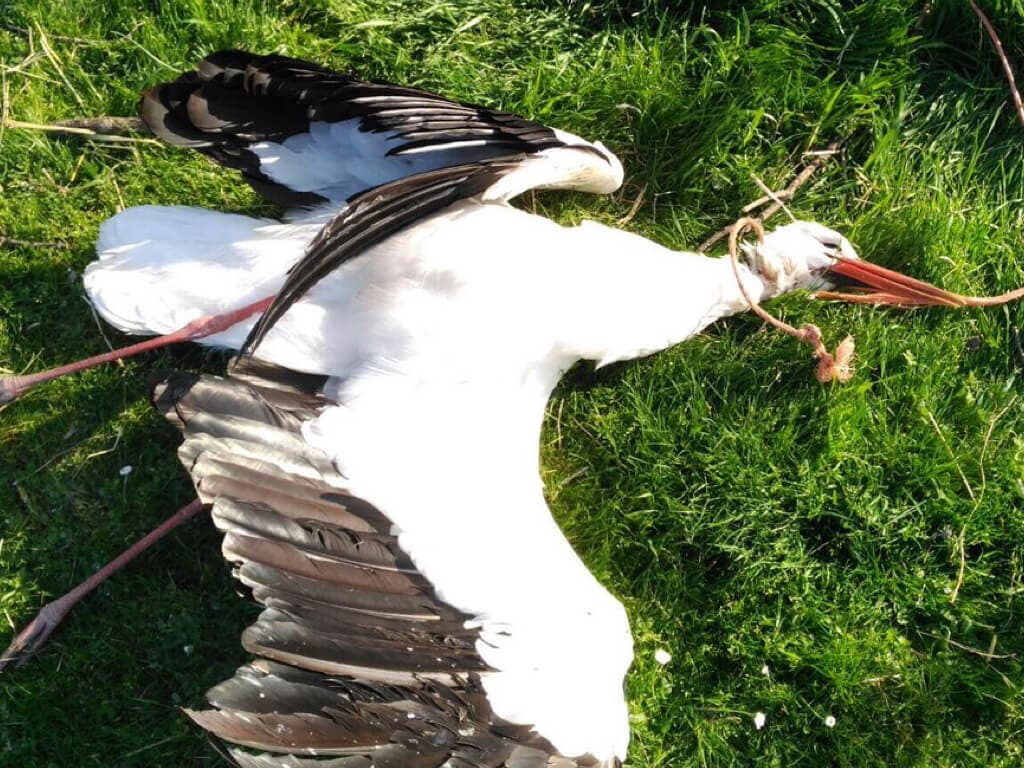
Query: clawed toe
(33,637)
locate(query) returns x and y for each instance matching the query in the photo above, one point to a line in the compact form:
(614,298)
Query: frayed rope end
(835,367)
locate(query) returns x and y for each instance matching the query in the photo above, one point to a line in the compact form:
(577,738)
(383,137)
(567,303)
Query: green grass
(746,515)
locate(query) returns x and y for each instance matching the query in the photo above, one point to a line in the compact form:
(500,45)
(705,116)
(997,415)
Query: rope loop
(831,367)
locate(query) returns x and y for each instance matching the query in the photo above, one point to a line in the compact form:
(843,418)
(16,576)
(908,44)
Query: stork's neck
(632,297)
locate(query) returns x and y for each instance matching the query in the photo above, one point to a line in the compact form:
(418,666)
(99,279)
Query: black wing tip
(226,58)
(235,109)
(235,98)
(259,331)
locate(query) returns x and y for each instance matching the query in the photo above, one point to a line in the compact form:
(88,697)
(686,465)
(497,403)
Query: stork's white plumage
(422,606)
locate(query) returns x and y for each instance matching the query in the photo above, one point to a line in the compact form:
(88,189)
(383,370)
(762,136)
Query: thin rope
(831,367)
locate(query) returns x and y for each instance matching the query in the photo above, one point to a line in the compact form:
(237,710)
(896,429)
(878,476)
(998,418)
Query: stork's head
(813,257)
(800,255)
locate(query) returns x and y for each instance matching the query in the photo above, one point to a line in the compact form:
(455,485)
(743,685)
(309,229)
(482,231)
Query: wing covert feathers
(359,662)
(375,215)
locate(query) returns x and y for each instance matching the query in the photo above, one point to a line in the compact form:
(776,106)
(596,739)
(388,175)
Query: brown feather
(362,665)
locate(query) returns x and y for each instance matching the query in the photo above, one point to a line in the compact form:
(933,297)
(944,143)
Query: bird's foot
(32,638)
(35,635)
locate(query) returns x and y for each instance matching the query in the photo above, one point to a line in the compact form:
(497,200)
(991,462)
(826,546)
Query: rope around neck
(831,367)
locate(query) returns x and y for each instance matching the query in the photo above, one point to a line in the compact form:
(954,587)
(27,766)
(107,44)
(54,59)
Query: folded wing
(302,134)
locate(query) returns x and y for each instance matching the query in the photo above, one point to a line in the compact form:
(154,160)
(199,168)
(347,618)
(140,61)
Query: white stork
(374,467)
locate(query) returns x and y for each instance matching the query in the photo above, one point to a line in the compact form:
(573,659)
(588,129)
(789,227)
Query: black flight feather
(371,218)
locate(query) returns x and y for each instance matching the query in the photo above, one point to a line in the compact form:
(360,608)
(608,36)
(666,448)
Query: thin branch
(818,158)
(78,128)
(633,208)
(1014,93)
(776,199)
(987,655)
(762,201)
(107,125)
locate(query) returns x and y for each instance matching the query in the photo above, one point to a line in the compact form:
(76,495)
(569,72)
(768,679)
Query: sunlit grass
(796,548)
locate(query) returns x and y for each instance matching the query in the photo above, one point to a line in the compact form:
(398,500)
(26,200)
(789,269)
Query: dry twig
(107,125)
(1014,93)
(633,208)
(987,655)
(818,158)
(107,129)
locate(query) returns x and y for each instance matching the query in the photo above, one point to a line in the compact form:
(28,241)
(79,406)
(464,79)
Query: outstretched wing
(360,660)
(302,134)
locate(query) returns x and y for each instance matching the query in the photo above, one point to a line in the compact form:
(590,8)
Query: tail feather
(160,268)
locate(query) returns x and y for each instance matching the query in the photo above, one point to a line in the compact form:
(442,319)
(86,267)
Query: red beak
(872,284)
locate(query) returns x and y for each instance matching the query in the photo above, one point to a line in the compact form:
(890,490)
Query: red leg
(13,387)
(32,638)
